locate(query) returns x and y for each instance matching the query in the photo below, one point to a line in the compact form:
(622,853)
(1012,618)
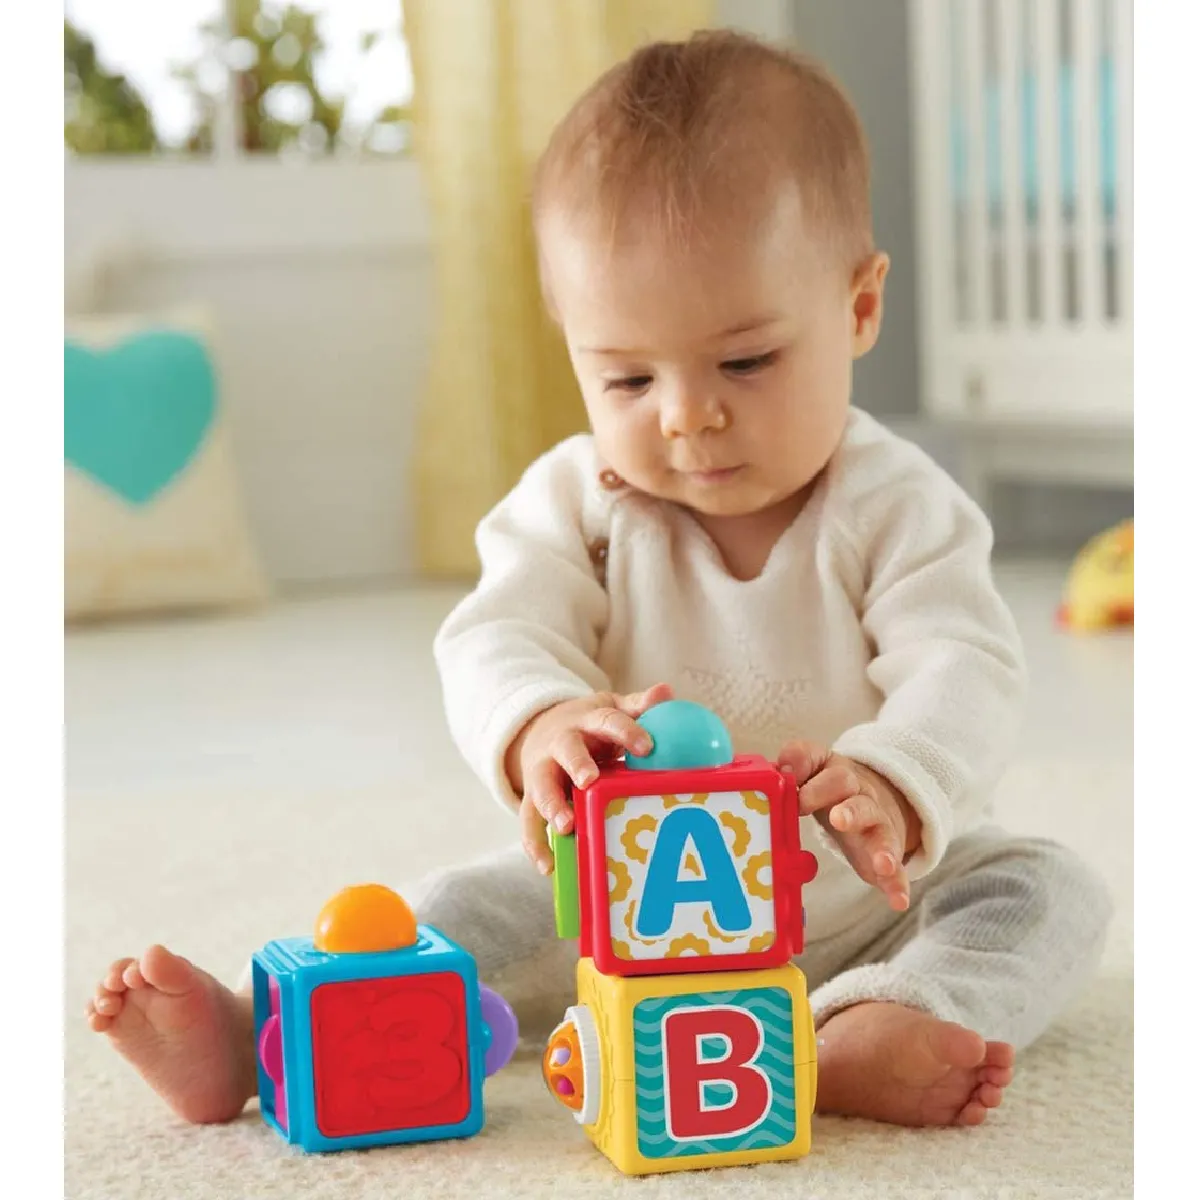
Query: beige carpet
(225,778)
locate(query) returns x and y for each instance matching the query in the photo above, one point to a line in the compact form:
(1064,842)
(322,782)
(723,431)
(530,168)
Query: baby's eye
(748,366)
(628,383)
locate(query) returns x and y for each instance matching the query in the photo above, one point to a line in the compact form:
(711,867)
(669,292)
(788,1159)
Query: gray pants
(1000,938)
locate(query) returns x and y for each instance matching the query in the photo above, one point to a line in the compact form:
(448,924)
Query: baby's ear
(866,301)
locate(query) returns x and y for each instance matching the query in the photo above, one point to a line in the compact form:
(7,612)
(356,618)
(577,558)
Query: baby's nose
(689,414)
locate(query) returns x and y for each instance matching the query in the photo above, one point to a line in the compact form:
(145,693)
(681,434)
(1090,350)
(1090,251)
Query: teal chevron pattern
(773,1008)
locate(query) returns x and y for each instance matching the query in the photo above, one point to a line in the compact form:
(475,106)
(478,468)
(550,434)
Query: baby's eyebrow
(750,326)
(611,350)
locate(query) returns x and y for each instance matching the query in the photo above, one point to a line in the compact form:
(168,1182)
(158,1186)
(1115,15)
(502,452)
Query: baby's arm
(948,660)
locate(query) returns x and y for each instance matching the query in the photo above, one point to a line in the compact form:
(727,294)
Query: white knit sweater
(874,627)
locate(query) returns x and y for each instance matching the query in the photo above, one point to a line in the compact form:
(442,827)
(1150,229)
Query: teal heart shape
(136,413)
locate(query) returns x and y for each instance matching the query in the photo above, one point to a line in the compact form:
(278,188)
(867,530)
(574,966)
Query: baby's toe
(989,1095)
(97,1021)
(973,1113)
(106,1004)
(132,976)
(955,1045)
(113,980)
(999,1054)
(169,973)
(997,1076)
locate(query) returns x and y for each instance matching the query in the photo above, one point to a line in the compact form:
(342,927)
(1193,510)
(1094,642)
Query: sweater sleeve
(526,637)
(947,658)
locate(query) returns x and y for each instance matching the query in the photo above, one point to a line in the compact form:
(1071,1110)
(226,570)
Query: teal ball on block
(685,736)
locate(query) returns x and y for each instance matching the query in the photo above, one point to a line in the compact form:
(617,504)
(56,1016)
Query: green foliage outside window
(271,52)
(104,113)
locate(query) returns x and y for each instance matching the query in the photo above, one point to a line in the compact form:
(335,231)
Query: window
(197,77)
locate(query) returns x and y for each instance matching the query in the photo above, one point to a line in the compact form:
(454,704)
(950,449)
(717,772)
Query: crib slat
(1089,219)
(1009,57)
(1050,232)
(1122,51)
(974,77)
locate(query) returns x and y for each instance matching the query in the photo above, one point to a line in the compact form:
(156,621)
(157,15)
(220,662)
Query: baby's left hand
(869,818)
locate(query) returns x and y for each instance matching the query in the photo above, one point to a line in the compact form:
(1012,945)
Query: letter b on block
(715,1072)
(711,1095)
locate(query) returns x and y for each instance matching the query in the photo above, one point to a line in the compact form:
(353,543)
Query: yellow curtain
(491,78)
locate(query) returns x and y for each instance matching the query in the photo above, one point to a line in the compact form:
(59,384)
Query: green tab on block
(566,884)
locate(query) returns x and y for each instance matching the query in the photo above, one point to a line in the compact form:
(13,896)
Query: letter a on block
(709,1097)
(719,888)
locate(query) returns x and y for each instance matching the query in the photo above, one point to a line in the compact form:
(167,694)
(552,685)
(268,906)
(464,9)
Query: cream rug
(225,778)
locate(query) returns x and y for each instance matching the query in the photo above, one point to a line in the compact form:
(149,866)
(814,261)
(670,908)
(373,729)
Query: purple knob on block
(501,1023)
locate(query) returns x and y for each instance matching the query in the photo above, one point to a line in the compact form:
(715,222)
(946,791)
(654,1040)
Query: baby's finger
(615,727)
(875,859)
(533,838)
(828,787)
(545,790)
(894,885)
(571,752)
(856,814)
(803,759)
(858,855)
(636,703)
(883,853)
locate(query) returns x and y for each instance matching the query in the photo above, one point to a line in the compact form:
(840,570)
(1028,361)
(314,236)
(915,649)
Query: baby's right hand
(560,746)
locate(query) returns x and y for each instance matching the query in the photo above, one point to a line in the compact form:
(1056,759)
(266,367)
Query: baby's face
(718,378)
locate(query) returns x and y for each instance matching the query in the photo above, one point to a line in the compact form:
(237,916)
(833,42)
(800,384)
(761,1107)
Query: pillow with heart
(154,513)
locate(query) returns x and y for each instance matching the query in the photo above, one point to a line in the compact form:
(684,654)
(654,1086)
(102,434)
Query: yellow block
(663,1102)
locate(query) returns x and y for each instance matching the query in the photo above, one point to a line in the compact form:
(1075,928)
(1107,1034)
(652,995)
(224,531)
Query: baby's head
(704,233)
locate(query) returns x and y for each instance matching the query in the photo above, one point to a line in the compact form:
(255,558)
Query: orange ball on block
(365,919)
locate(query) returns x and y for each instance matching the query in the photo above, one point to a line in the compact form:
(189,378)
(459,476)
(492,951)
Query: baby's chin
(742,495)
(737,497)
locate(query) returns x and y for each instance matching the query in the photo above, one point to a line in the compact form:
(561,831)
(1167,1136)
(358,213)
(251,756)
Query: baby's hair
(680,133)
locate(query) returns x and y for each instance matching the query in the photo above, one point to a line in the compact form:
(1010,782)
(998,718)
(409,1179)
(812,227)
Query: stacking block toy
(672,1072)
(692,1044)
(374,1031)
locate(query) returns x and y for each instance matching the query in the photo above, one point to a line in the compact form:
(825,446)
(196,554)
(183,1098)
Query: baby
(732,531)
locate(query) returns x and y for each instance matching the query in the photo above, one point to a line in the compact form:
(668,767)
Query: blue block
(287,976)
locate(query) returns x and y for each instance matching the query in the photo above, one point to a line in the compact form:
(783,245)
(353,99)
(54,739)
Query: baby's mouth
(712,475)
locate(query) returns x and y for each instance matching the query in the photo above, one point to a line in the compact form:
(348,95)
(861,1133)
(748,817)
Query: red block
(780,935)
(390,1054)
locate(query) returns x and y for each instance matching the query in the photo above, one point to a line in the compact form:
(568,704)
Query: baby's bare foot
(190,1037)
(893,1063)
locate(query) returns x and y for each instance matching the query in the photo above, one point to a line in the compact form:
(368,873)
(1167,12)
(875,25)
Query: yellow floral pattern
(680,946)
(756,802)
(676,801)
(629,839)
(752,875)
(619,889)
(740,830)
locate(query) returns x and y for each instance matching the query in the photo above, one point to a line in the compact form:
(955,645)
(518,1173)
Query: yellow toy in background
(1099,589)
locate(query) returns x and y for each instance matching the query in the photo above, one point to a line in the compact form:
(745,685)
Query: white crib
(1022,134)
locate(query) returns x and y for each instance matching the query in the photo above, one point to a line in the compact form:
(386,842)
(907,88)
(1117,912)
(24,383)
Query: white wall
(318,276)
